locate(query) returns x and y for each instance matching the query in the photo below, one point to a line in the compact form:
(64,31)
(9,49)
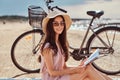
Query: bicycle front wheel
(109,62)
(25,51)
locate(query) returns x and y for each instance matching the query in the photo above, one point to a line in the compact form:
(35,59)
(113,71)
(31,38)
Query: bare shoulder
(47,51)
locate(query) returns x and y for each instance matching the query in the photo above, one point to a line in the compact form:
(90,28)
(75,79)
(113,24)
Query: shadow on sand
(25,73)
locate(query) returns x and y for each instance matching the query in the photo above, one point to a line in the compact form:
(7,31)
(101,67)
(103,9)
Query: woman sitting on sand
(54,52)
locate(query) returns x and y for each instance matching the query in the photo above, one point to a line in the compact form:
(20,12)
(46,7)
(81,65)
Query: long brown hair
(50,38)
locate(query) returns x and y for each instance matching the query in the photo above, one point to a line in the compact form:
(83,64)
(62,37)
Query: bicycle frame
(87,31)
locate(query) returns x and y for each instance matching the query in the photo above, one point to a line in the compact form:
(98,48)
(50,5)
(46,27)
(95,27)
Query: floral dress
(58,61)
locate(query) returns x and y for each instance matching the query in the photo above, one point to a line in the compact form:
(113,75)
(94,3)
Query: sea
(83,24)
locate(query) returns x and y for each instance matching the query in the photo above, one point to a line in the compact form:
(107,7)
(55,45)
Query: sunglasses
(57,24)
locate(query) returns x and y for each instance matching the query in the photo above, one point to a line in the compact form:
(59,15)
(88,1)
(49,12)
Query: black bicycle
(26,48)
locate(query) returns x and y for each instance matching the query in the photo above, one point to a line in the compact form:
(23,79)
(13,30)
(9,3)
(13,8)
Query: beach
(9,31)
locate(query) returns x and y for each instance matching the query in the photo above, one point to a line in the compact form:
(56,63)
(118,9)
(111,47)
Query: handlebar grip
(49,1)
(61,9)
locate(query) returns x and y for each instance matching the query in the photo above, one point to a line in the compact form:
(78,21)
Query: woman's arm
(48,58)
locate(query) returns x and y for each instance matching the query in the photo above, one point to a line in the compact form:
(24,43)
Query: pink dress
(58,61)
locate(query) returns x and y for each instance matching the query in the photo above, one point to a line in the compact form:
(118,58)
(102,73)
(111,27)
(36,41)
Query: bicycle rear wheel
(109,63)
(23,52)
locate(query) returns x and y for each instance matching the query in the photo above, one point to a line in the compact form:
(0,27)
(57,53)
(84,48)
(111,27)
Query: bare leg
(108,78)
(78,76)
(104,75)
(86,78)
(93,74)
(89,74)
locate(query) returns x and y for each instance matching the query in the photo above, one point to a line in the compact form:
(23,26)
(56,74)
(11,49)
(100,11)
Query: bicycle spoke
(113,38)
(107,38)
(110,56)
(25,51)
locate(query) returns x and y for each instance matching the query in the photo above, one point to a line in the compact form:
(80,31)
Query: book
(92,57)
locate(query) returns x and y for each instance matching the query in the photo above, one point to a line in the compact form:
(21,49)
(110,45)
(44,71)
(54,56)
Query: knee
(88,68)
(86,78)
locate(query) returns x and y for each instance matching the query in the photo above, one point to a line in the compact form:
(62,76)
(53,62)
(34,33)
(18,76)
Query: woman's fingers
(82,62)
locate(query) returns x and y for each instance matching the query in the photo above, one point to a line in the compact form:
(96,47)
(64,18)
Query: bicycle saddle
(97,14)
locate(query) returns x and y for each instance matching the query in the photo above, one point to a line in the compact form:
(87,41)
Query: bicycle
(27,45)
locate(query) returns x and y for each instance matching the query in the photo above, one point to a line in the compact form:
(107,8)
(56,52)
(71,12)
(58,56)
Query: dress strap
(47,45)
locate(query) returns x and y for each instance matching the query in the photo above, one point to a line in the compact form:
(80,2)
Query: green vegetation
(13,18)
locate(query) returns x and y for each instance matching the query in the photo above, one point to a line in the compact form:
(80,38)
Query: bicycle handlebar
(51,8)
(58,9)
(49,1)
(61,9)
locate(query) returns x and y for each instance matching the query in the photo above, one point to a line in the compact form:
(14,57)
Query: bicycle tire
(21,51)
(109,64)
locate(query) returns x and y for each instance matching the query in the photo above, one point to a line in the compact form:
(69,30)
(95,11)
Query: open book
(92,57)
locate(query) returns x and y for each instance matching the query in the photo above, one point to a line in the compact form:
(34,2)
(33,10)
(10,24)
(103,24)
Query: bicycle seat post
(86,34)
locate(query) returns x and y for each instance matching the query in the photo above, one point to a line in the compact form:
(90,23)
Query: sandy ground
(8,33)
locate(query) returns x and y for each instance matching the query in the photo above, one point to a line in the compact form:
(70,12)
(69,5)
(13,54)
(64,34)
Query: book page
(92,57)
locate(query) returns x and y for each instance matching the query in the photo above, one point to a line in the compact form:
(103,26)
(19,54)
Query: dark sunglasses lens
(57,24)
(62,23)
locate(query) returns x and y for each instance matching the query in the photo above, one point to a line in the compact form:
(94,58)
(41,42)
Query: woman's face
(58,25)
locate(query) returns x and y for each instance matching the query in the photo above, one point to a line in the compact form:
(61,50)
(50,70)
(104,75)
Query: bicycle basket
(36,15)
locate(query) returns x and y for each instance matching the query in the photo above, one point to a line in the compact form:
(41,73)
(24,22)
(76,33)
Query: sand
(9,32)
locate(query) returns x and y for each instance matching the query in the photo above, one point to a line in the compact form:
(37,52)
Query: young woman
(54,52)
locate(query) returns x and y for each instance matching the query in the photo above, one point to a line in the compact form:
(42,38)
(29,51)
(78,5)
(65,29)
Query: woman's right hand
(80,69)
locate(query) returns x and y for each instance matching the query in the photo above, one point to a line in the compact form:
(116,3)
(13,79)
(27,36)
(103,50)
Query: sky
(75,8)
